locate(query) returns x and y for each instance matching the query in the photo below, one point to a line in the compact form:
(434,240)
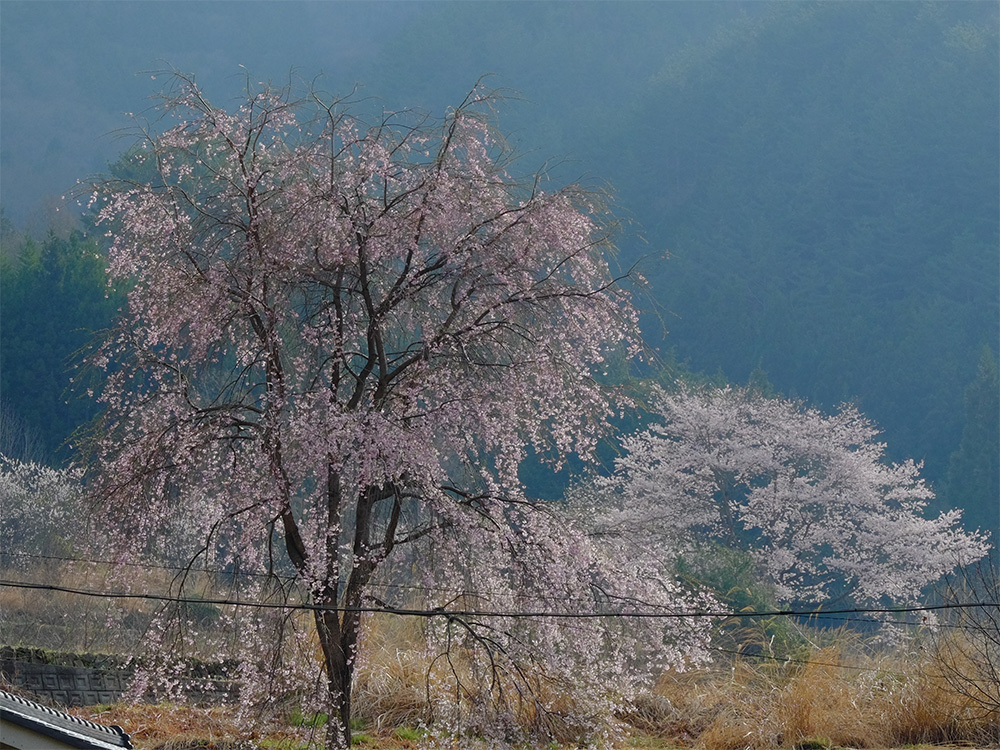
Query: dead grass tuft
(198,743)
(841,696)
(390,680)
(162,726)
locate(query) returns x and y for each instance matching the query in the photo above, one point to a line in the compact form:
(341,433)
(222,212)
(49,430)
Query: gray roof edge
(75,731)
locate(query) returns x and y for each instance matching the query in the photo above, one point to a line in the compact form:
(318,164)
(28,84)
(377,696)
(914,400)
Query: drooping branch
(363,330)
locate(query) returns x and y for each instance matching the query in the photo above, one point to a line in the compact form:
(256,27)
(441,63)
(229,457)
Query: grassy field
(840,695)
(834,689)
(167,727)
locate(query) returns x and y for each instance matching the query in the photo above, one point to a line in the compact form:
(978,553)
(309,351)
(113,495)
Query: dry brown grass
(843,692)
(153,726)
(71,620)
(399,683)
(59,620)
(390,682)
(841,696)
(173,727)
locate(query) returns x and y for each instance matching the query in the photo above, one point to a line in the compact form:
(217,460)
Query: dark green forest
(811,189)
(53,303)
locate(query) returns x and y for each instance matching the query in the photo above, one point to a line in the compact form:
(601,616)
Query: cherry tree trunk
(337,644)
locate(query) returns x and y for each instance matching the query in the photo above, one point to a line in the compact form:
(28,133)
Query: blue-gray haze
(823,175)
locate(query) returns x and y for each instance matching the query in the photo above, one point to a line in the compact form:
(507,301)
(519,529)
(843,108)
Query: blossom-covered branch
(351,335)
(809,495)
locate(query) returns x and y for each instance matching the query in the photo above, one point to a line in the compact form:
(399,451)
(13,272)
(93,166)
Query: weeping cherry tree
(341,340)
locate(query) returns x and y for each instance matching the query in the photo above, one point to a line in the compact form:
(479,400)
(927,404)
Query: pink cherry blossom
(342,339)
(810,495)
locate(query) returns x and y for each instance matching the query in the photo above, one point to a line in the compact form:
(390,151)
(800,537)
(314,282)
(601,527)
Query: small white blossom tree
(809,495)
(342,339)
(41,512)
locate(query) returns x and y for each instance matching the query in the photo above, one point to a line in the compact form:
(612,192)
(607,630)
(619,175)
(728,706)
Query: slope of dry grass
(839,696)
(841,692)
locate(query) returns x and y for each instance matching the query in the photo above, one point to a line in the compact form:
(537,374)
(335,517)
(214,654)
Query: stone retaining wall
(90,679)
(64,679)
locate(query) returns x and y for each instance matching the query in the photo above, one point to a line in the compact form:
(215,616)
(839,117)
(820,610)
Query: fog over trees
(680,291)
(823,176)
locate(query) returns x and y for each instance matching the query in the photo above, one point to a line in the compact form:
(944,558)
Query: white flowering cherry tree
(809,495)
(341,339)
(41,512)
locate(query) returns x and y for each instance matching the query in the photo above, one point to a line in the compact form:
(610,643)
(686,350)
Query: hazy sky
(70,69)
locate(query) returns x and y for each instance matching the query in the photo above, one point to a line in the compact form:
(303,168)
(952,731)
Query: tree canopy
(346,335)
(810,496)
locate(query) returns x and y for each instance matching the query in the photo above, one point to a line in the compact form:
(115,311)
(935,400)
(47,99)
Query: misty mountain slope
(825,177)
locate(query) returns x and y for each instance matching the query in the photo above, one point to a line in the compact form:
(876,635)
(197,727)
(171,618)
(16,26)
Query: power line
(829,615)
(661,613)
(819,614)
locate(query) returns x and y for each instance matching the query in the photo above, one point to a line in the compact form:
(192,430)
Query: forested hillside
(830,203)
(54,301)
(823,177)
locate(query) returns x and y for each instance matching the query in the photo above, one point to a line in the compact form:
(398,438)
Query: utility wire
(835,615)
(538,614)
(828,615)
